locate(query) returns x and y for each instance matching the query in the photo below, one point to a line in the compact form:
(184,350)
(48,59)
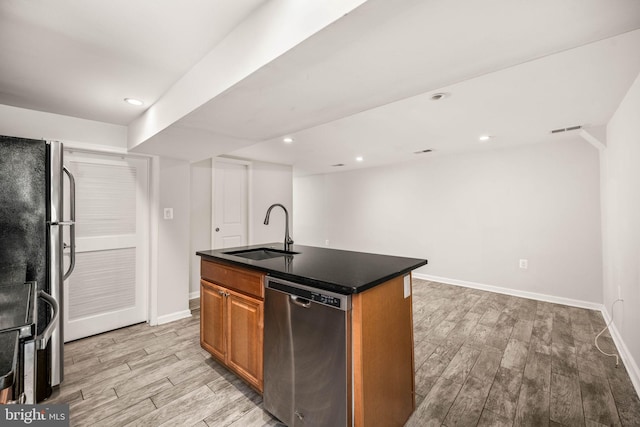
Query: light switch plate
(168,213)
(407,286)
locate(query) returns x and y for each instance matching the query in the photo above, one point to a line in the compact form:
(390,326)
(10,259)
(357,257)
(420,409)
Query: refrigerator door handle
(43,339)
(71,223)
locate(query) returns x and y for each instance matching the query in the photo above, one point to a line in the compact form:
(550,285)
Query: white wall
(270,183)
(173,241)
(39,125)
(473,216)
(621,225)
(200,219)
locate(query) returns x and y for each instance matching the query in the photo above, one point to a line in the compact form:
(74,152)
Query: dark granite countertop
(345,272)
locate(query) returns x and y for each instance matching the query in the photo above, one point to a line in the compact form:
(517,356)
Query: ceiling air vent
(438,96)
(337,165)
(428,150)
(566,129)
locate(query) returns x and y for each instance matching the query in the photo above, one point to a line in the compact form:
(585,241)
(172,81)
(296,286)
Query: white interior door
(108,287)
(229,204)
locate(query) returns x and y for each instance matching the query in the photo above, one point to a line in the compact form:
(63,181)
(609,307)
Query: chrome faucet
(288,241)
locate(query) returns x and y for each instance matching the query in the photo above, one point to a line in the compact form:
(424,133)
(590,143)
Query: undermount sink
(259,254)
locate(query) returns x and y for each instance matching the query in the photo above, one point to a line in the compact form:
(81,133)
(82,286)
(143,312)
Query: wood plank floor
(482,359)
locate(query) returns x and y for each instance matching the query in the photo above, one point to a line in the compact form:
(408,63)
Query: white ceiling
(516,105)
(360,86)
(83,57)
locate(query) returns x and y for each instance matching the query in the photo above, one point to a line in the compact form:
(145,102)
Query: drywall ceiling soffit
(82,58)
(265,35)
(517,105)
(385,51)
(192,144)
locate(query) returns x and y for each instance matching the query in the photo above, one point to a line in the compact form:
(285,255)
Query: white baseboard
(627,358)
(625,354)
(194,295)
(512,292)
(173,316)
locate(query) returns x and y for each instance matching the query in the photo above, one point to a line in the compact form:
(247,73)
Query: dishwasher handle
(300,302)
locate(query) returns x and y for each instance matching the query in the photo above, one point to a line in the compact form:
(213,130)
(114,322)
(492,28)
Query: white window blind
(103,281)
(105,199)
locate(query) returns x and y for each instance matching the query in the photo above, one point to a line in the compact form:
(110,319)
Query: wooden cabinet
(231,319)
(244,344)
(212,319)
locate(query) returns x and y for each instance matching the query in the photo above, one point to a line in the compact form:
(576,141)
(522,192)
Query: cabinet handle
(221,293)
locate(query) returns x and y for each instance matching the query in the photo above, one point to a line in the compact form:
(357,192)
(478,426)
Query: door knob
(217,229)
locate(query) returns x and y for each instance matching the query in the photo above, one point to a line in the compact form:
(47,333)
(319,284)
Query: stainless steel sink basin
(259,254)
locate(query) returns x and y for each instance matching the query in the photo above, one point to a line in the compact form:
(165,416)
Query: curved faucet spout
(288,241)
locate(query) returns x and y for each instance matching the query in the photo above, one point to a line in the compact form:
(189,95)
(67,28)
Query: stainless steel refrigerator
(31,246)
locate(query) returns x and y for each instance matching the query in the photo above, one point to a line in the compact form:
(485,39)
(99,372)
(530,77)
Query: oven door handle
(43,339)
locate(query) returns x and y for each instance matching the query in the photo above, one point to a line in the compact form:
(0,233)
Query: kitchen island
(379,370)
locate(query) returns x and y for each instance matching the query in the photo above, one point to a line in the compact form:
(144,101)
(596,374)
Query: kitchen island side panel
(384,382)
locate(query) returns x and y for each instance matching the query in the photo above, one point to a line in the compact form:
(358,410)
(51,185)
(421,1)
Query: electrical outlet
(168,213)
(326,242)
(524,264)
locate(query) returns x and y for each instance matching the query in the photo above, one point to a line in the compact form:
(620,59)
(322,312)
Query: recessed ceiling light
(287,139)
(484,138)
(134,101)
(438,96)
(359,159)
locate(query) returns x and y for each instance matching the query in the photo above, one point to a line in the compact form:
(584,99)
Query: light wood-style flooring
(481,359)
(489,359)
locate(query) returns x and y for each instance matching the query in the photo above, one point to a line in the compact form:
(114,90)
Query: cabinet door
(212,319)
(244,351)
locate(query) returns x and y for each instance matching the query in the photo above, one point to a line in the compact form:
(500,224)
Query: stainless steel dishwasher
(307,355)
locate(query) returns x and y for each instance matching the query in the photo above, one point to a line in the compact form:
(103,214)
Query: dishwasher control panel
(331,299)
(326,299)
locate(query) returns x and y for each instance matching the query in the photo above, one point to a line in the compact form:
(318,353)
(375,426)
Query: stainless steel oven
(19,340)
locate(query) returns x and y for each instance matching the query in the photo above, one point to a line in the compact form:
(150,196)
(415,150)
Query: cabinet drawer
(239,279)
